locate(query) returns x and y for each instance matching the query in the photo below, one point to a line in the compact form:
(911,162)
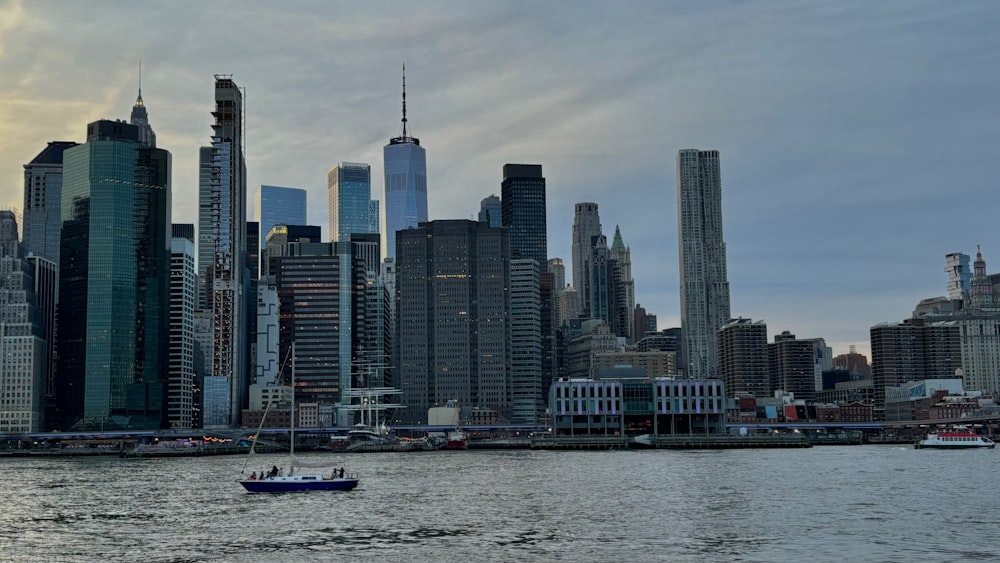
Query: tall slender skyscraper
(586,226)
(222,203)
(405,164)
(702,251)
(276,205)
(183,291)
(114,277)
(351,207)
(522,198)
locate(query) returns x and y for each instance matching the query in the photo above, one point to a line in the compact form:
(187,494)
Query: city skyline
(839,125)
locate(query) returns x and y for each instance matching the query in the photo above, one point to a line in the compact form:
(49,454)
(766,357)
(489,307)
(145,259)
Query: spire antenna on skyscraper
(404,101)
(138,100)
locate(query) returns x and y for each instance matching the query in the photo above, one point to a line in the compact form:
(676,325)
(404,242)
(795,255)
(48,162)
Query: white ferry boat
(955,439)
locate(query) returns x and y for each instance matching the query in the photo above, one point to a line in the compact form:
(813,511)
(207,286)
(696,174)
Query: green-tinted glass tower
(114,281)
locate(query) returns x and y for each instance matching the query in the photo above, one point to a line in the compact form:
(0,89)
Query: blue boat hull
(268,486)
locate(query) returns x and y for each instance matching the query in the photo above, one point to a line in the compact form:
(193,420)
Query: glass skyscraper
(275,205)
(114,281)
(522,197)
(405,164)
(351,209)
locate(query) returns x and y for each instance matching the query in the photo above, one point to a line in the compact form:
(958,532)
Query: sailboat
(276,481)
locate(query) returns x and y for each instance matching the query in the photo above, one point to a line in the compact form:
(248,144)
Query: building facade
(622,255)
(114,279)
(42,201)
(528,398)
(22,343)
(704,284)
(522,197)
(181,382)
(277,205)
(586,226)
(405,167)
(351,208)
(452,322)
(222,203)
(743,358)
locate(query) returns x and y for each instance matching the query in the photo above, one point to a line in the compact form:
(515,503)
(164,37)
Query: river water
(834,503)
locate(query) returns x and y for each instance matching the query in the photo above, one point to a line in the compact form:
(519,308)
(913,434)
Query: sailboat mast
(291,432)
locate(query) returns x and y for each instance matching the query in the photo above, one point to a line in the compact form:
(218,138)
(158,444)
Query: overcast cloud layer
(858,140)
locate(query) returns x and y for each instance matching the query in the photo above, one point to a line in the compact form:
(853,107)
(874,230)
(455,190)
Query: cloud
(856,138)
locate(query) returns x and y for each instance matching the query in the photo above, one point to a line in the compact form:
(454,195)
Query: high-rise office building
(622,255)
(41,226)
(586,226)
(522,197)
(275,205)
(452,323)
(321,299)
(491,211)
(42,199)
(114,280)
(22,346)
(405,166)
(222,203)
(351,208)
(183,300)
(702,253)
(743,358)
(525,341)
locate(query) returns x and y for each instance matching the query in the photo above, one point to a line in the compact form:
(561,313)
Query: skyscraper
(526,341)
(453,327)
(405,164)
(42,199)
(622,255)
(114,277)
(22,346)
(351,208)
(321,298)
(275,205)
(586,226)
(702,253)
(522,197)
(222,203)
(183,300)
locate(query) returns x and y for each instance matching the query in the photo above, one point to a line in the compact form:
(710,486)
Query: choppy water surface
(854,503)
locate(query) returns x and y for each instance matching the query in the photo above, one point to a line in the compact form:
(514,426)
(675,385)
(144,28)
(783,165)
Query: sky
(858,140)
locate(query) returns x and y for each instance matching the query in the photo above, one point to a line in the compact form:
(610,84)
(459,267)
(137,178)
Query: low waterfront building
(912,400)
(624,407)
(652,364)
